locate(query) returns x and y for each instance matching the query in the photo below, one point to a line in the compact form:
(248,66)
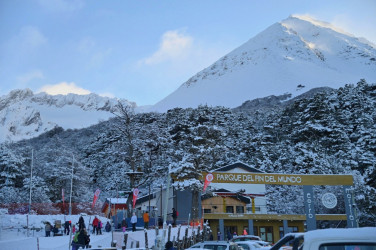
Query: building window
(289,230)
(239,209)
(207,211)
(255,231)
(266,234)
(230,209)
(257,209)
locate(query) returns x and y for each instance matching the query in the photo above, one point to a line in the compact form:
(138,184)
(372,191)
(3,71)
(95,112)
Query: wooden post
(179,233)
(146,239)
(169,233)
(125,241)
(198,234)
(204,233)
(186,239)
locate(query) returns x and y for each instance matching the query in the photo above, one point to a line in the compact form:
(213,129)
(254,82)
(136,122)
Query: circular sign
(135,192)
(329,200)
(209,177)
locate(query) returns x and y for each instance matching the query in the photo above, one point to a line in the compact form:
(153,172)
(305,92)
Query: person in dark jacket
(124,225)
(108,227)
(169,246)
(81,223)
(81,239)
(174,216)
(67,226)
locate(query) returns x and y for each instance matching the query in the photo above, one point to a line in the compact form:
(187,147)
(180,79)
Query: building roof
(240,197)
(117,200)
(238,165)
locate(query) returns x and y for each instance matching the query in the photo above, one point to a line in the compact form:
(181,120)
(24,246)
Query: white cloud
(174,45)
(36,74)
(62,5)
(64,88)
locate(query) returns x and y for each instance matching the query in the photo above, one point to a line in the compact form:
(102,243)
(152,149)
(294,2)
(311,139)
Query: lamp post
(30,184)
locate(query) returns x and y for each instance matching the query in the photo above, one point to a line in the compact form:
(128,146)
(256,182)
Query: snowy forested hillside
(333,132)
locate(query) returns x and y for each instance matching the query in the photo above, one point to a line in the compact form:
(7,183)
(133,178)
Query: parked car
(264,243)
(251,245)
(215,245)
(254,238)
(245,238)
(330,239)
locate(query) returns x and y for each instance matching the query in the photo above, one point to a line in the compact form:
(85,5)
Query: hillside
(329,133)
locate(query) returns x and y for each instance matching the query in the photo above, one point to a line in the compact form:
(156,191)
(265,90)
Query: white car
(215,245)
(331,239)
(251,245)
(245,238)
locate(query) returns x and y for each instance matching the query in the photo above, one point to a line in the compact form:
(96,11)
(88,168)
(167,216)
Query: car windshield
(215,247)
(348,246)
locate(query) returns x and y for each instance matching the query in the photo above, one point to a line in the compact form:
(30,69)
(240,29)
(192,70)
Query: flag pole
(71,187)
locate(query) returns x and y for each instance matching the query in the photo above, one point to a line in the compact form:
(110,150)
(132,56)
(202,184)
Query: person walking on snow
(81,223)
(124,225)
(174,216)
(95,225)
(108,227)
(99,227)
(67,226)
(146,220)
(134,222)
(48,228)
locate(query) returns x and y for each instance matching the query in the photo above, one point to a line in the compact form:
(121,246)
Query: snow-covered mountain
(24,115)
(292,56)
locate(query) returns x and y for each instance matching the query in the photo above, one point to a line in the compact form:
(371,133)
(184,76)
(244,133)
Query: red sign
(135,194)
(208,179)
(96,195)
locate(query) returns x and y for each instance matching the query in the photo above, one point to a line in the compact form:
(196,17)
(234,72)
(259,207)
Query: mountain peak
(298,51)
(24,114)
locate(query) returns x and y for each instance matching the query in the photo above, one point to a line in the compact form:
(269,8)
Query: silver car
(215,245)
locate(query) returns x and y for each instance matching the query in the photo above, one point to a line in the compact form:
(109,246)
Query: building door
(229,231)
(266,234)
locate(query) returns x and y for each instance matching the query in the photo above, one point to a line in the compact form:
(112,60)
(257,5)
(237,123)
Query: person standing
(108,227)
(67,226)
(81,223)
(95,225)
(124,225)
(99,227)
(146,220)
(48,228)
(174,216)
(134,222)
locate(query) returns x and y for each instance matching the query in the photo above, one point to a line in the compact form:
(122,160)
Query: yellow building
(233,208)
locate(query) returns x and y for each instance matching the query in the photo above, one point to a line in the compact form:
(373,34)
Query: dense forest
(330,133)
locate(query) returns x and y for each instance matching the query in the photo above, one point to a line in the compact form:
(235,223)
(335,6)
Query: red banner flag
(135,194)
(208,180)
(62,194)
(96,195)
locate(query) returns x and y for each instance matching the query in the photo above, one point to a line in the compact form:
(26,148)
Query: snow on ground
(14,235)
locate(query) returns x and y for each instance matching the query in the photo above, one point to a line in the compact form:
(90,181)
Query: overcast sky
(142,50)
